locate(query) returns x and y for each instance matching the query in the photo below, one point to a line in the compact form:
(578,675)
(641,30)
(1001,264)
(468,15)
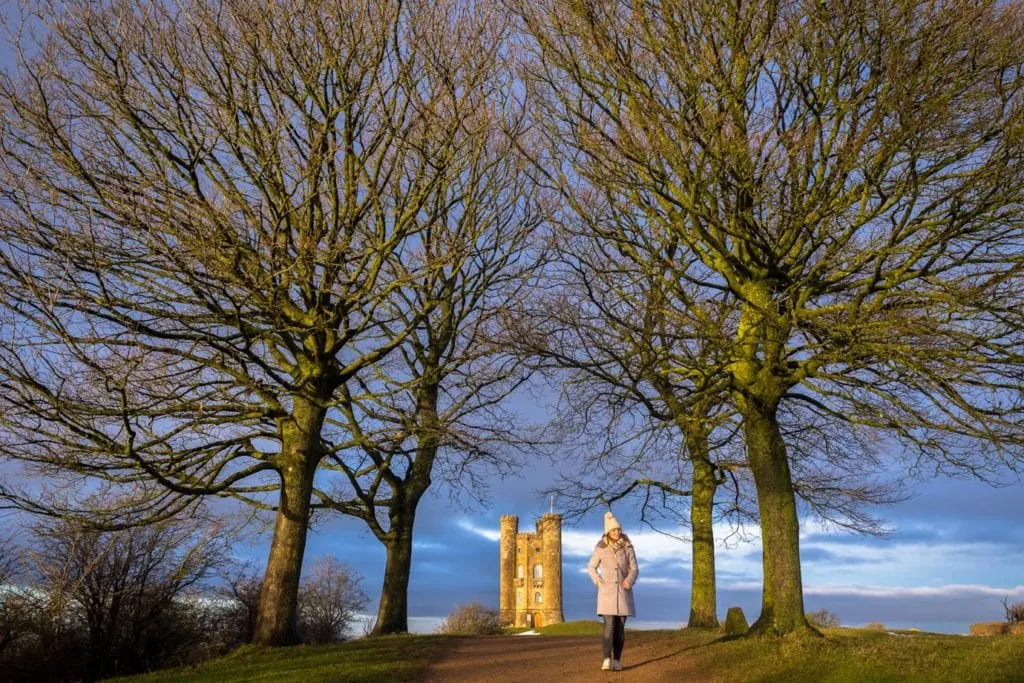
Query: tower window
(519,572)
(538,571)
(538,598)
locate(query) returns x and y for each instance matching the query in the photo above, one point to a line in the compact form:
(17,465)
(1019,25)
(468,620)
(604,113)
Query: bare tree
(123,590)
(240,592)
(10,614)
(645,358)
(329,599)
(850,176)
(8,561)
(210,212)
(433,412)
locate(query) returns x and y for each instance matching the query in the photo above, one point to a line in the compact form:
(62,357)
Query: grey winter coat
(616,566)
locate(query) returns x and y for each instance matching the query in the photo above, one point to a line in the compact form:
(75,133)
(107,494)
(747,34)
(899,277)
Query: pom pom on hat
(610,522)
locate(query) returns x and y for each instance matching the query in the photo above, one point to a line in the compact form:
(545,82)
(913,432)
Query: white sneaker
(616,666)
(606,665)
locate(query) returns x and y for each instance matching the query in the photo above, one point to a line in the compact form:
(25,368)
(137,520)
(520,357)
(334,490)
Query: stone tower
(530,580)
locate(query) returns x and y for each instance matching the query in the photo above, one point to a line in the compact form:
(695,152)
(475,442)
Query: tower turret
(507,568)
(550,528)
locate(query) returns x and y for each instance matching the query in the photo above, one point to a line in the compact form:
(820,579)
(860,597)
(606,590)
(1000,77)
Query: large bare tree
(643,377)
(209,212)
(434,413)
(850,174)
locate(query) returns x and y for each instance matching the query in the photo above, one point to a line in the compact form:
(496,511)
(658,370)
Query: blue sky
(955,552)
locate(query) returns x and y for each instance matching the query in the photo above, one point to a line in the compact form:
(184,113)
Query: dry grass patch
(990,628)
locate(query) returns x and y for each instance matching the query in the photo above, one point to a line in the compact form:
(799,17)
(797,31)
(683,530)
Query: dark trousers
(614,636)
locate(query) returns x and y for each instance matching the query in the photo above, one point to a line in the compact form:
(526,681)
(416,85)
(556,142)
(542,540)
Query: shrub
(329,599)
(471,619)
(875,625)
(822,618)
(241,600)
(10,613)
(1014,612)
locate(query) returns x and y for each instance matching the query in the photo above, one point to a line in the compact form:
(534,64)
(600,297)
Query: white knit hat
(610,522)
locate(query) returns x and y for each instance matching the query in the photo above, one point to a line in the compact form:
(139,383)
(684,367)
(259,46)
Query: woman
(613,570)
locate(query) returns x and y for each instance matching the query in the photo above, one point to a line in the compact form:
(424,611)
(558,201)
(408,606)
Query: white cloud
(952,590)
(485,532)
(662,581)
(881,568)
(428,545)
(653,546)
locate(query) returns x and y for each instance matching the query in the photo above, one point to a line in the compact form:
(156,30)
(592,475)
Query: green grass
(857,655)
(389,658)
(572,628)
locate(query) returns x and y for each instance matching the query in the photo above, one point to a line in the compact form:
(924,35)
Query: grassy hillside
(391,658)
(860,655)
(843,655)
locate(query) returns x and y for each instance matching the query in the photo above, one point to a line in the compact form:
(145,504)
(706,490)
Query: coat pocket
(607,597)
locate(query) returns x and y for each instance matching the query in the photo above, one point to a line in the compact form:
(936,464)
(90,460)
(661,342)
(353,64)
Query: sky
(955,552)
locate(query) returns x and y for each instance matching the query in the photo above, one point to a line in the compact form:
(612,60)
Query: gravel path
(563,659)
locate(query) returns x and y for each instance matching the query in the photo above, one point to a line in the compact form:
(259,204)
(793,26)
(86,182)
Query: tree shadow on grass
(679,651)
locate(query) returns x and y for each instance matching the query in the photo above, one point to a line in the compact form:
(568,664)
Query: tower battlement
(530,579)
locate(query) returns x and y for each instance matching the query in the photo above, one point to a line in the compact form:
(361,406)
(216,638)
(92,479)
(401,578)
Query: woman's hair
(623,539)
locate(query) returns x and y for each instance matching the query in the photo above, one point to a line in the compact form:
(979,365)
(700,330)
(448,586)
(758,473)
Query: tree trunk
(703,598)
(276,618)
(393,609)
(782,599)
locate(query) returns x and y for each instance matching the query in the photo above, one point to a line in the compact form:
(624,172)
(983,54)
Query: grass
(389,658)
(842,655)
(572,628)
(853,655)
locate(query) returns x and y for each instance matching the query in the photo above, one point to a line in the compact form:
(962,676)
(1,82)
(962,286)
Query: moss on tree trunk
(782,600)
(703,597)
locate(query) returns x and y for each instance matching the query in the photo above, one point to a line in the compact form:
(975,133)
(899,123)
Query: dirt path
(565,659)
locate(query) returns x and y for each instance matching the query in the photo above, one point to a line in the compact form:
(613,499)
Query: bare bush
(875,625)
(10,612)
(822,618)
(329,599)
(1014,612)
(96,604)
(7,562)
(241,600)
(471,619)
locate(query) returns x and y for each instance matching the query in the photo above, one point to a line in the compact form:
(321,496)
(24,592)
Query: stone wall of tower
(527,555)
(549,528)
(507,568)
